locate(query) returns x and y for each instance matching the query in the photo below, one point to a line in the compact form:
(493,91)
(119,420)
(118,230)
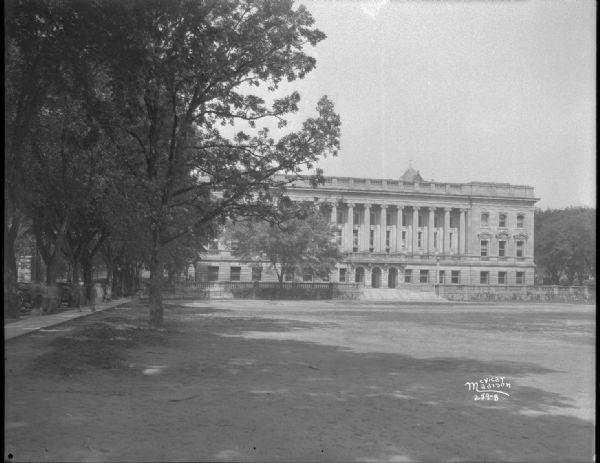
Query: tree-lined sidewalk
(33,323)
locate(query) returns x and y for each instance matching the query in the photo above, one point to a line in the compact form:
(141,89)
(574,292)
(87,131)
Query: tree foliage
(170,94)
(304,240)
(565,244)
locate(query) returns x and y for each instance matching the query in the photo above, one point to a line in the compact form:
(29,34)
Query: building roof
(411,175)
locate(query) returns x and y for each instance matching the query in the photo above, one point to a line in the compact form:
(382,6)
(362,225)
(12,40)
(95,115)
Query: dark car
(68,293)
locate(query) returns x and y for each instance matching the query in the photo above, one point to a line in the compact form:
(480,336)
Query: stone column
(430,230)
(367,227)
(350,227)
(462,232)
(415,228)
(334,212)
(383,222)
(384,276)
(399,231)
(447,230)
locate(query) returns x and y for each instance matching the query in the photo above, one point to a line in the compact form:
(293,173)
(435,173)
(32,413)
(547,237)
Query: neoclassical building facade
(410,231)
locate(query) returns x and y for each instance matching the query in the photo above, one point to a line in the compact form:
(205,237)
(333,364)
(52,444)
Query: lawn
(306,381)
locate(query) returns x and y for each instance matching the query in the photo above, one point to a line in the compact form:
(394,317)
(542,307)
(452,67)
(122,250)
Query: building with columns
(410,231)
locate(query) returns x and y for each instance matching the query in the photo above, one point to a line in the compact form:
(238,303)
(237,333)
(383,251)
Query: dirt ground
(305,381)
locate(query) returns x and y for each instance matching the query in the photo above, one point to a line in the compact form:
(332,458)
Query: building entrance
(392,277)
(376,278)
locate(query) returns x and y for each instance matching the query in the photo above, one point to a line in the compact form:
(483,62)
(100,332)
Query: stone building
(410,231)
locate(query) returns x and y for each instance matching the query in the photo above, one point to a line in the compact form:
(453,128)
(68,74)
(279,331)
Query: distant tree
(565,244)
(303,240)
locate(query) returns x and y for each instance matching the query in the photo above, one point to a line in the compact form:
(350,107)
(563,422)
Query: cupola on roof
(411,175)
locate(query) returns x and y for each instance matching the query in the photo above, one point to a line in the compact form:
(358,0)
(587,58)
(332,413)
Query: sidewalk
(38,322)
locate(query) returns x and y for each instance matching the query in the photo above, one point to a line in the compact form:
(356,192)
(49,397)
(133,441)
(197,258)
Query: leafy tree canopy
(565,243)
(304,240)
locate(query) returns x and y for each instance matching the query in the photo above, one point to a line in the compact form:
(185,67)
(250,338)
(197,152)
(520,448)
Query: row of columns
(365,245)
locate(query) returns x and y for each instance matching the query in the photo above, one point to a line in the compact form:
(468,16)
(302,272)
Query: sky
(490,91)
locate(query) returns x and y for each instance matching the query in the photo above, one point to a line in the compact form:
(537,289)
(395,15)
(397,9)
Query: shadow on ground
(226,397)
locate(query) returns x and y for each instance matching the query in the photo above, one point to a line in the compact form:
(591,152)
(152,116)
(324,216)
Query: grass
(102,344)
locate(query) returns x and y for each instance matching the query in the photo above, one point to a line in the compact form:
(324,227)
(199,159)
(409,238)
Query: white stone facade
(409,231)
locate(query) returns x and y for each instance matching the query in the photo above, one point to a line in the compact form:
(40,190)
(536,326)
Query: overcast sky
(498,91)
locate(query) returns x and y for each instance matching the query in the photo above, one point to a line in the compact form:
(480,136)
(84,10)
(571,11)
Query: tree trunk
(51,270)
(156,307)
(11,297)
(86,266)
(75,271)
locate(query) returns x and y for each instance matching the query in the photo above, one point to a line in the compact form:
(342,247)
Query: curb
(36,323)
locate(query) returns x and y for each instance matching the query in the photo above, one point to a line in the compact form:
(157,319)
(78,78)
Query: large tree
(304,240)
(177,88)
(178,71)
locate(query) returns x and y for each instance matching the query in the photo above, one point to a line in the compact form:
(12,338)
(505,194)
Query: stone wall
(576,294)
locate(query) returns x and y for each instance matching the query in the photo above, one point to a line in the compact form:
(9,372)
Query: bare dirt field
(306,381)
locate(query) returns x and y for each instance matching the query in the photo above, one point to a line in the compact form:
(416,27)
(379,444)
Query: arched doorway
(376,278)
(359,275)
(392,277)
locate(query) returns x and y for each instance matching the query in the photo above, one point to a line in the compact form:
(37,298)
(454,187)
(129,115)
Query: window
(442,277)
(371,239)
(423,276)
(213,273)
(502,248)
(520,278)
(420,221)
(407,276)
(289,275)
(388,235)
(485,218)
(307,274)
(501,278)
(520,221)
(256,273)
(520,248)
(502,220)
(420,239)
(342,278)
(450,236)
(404,238)
(435,240)
(235,273)
(484,278)
(355,240)
(484,248)
(455,277)
(359,276)
(338,237)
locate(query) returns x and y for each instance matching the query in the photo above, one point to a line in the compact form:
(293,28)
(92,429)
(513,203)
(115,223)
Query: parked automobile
(68,293)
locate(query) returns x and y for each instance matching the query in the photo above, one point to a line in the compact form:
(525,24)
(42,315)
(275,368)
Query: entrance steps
(400,295)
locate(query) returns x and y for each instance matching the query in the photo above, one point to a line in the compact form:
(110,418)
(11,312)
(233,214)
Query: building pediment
(484,236)
(503,235)
(521,237)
